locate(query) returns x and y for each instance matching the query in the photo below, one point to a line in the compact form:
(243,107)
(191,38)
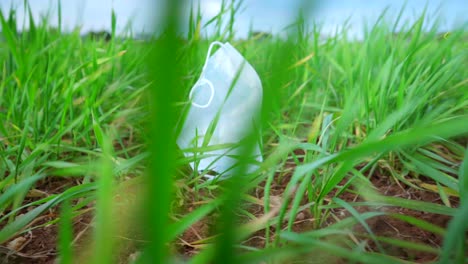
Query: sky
(261,15)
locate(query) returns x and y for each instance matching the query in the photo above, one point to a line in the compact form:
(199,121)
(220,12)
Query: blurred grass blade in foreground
(164,75)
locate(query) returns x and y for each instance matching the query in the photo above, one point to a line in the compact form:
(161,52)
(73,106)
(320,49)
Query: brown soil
(383,226)
(39,244)
(387,226)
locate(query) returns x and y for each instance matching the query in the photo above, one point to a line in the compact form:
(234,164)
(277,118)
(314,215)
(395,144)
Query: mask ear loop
(203,80)
(199,83)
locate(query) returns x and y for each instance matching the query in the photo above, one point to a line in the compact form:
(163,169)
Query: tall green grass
(103,114)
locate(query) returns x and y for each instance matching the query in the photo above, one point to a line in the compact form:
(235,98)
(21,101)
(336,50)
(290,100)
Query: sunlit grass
(337,114)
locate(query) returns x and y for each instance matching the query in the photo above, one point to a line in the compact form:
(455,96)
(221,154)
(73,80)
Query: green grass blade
(103,246)
(65,234)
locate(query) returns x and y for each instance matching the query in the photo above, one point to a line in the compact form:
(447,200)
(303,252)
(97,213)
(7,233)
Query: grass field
(364,146)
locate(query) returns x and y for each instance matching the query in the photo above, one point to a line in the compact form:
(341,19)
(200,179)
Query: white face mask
(228,87)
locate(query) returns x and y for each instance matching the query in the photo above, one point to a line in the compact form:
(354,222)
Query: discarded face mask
(225,108)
